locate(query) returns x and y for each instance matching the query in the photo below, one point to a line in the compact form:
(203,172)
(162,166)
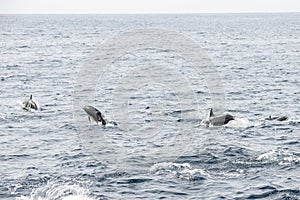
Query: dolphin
(29,104)
(95,114)
(218,120)
(282,118)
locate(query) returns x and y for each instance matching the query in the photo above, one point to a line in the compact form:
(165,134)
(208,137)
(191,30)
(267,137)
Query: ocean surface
(159,149)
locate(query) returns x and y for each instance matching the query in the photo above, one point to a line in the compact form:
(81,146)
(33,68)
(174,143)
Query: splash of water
(58,191)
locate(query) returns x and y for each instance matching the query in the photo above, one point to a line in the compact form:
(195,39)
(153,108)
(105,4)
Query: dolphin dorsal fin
(211,113)
(30,97)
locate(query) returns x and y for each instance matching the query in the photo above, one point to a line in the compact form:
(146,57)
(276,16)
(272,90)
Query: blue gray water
(43,154)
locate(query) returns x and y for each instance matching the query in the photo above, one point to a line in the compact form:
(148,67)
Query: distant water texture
(159,149)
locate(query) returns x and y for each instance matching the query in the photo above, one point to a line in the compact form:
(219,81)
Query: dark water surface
(47,154)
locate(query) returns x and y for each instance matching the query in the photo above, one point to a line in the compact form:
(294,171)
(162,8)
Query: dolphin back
(221,120)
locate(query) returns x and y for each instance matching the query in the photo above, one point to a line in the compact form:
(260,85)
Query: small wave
(192,174)
(168,166)
(182,171)
(76,197)
(280,157)
(277,194)
(2,116)
(134,180)
(59,191)
(294,120)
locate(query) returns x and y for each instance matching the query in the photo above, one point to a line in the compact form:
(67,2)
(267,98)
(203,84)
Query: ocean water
(250,67)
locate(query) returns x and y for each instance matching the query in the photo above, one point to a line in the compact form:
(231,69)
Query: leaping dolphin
(95,114)
(29,104)
(218,120)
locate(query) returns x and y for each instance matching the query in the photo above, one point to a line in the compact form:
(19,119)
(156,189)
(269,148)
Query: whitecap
(54,190)
(280,157)
(179,170)
(168,166)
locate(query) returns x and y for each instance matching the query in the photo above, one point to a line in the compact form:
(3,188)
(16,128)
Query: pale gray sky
(147,6)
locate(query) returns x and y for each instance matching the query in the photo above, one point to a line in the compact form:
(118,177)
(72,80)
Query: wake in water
(236,123)
(247,123)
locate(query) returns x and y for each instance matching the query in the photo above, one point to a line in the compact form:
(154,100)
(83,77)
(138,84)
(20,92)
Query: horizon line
(137,13)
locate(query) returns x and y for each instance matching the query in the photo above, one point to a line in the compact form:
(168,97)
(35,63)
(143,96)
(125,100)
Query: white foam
(294,120)
(205,123)
(111,124)
(192,174)
(76,197)
(2,116)
(63,191)
(168,166)
(236,123)
(279,157)
(179,170)
(240,123)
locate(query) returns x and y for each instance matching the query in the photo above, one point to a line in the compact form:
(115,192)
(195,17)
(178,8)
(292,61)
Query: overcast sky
(148,6)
